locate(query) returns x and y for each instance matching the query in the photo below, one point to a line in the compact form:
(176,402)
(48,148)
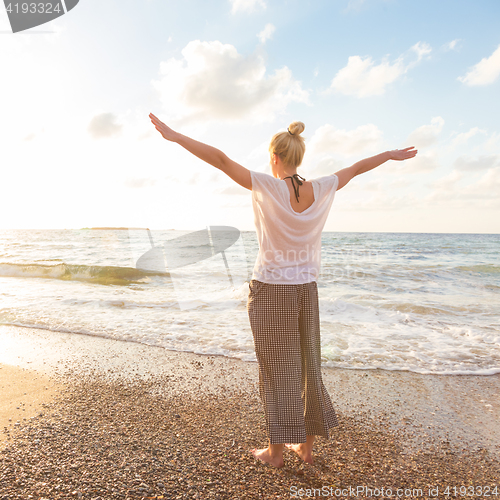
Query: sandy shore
(130,420)
(22,396)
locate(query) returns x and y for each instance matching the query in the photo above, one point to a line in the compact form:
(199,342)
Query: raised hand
(165,131)
(403,154)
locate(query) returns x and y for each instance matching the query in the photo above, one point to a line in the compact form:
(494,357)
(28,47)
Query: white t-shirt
(289,241)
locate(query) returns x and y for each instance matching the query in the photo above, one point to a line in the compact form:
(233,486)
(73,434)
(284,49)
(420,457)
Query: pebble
(122,440)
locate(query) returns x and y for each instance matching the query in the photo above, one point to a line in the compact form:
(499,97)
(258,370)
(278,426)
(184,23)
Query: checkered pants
(285,327)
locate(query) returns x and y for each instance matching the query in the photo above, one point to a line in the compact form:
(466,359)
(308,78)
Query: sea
(425,303)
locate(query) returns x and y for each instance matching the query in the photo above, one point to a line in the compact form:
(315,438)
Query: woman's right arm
(207,153)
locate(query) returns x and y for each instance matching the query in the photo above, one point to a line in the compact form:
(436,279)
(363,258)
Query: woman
(290,213)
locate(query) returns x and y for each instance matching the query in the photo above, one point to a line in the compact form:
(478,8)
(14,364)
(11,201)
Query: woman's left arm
(207,153)
(360,167)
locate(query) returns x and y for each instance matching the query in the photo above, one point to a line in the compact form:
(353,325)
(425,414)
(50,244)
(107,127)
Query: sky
(77,148)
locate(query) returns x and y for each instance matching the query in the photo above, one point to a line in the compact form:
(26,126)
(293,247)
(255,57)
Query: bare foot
(303,451)
(265,456)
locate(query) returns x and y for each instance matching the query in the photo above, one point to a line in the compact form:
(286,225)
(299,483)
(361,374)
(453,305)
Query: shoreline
(130,420)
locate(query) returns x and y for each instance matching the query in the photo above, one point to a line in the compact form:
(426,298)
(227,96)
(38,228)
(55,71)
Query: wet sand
(131,420)
(22,396)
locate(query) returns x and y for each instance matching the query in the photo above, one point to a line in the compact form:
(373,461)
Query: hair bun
(290,146)
(296,128)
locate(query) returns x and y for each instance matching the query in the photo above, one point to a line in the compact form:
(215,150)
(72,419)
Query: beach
(22,395)
(126,420)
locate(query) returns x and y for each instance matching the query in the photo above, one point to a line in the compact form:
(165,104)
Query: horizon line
(124,228)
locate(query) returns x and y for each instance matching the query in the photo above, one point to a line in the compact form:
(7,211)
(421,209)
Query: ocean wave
(103,275)
(481,268)
(347,359)
(430,310)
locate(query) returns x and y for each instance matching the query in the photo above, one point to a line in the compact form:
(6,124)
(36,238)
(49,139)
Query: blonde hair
(290,145)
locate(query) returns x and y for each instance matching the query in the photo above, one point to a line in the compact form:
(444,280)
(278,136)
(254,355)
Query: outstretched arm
(346,174)
(207,153)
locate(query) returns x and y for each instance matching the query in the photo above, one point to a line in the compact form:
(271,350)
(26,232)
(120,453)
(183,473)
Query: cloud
(448,181)
(481,162)
(493,143)
(485,72)
(30,137)
(325,166)
(375,183)
(465,136)
(266,33)
(422,49)
(363,78)
(233,190)
(451,45)
(246,5)
(487,188)
(327,139)
(104,125)
(482,193)
(354,199)
(426,135)
(212,81)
